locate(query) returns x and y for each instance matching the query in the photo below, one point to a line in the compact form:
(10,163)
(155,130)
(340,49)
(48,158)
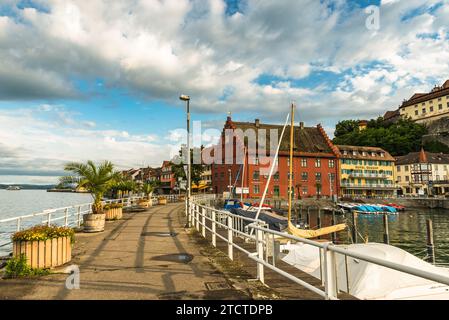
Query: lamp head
(184,97)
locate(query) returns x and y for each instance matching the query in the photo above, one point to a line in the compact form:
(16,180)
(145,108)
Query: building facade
(422,173)
(315,164)
(167,178)
(427,107)
(366,172)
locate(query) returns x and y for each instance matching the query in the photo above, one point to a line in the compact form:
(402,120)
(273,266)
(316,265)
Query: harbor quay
(149,255)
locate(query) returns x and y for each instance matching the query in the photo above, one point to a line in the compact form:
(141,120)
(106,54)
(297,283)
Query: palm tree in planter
(147,189)
(97,179)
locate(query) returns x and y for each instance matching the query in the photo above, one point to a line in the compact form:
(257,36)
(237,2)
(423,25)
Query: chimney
(301,125)
(257,123)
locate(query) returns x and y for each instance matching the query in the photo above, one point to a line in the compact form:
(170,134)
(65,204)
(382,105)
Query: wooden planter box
(44,254)
(144,203)
(163,201)
(114,214)
(93,222)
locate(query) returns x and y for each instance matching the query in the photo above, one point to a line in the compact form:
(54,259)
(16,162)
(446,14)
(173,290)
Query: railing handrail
(328,277)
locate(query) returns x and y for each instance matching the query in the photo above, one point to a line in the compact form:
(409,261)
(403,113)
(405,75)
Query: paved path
(128,261)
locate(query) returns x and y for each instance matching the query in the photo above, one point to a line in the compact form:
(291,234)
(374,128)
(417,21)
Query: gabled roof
(423,157)
(368,151)
(306,139)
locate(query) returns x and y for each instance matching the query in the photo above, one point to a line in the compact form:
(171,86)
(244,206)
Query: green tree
(397,138)
(346,126)
(97,179)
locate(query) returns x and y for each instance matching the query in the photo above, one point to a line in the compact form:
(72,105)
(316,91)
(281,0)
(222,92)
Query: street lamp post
(230,183)
(187,100)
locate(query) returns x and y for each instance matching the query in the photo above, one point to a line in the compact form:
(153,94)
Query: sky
(101,79)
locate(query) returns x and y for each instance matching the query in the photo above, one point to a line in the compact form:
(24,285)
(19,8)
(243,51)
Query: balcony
(369,175)
(368,186)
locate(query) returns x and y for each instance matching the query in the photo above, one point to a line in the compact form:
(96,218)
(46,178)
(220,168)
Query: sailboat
(13,188)
(275,221)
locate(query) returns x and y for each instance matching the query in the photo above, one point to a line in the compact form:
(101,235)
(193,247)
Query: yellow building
(366,172)
(426,107)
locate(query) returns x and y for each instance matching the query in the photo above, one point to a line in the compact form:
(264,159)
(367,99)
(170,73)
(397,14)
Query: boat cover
(274,223)
(369,281)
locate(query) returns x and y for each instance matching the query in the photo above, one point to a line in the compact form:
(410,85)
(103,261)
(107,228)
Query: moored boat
(13,188)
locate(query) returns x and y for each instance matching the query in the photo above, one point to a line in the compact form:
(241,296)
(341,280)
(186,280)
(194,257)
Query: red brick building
(167,178)
(315,163)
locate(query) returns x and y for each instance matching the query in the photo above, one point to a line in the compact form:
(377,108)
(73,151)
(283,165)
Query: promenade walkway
(132,259)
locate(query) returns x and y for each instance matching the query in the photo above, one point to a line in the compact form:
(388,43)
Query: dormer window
(382,155)
(373,154)
(364,153)
(354,153)
(345,152)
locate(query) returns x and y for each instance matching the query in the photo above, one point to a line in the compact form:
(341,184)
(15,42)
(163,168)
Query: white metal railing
(206,219)
(70,216)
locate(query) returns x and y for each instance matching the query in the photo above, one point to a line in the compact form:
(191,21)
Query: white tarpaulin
(370,281)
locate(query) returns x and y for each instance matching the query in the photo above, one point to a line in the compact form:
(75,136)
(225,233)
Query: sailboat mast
(290,179)
(243,175)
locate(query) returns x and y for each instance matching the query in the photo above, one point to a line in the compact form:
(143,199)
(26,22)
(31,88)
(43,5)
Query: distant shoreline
(28,186)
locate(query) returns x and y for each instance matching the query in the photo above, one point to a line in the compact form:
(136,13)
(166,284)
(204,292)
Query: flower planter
(182,198)
(93,222)
(162,201)
(44,254)
(144,203)
(114,213)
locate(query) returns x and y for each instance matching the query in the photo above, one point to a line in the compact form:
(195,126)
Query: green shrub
(17,267)
(43,233)
(113,206)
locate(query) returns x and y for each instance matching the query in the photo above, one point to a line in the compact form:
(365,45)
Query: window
(423,110)
(399,179)
(440,107)
(431,101)
(304,176)
(331,163)
(317,163)
(304,163)
(416,112)
(304,190)
(276,191)
(256,175)
(406,168)
(256,189)
(399,168)
(318,177)
(407,178)
(439,99)
(431,109)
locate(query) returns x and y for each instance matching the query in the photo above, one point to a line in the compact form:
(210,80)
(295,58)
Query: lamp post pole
(189,184)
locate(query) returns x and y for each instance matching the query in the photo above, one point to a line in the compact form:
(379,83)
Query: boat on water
(13,188)
(364,208)
(365,280)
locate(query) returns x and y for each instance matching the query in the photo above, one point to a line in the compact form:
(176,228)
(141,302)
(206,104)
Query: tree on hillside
(397,138)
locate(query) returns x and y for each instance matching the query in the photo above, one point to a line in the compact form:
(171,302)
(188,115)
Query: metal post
(260,266)
(66,217)
(308,217)
(430,245)
(354,227)
(318,220)
(386,233)
(197,215)
(230,239)
(214,229)
(49,218)
(334,234)
(19,222)
(330,274)
(79,216)
(203,221)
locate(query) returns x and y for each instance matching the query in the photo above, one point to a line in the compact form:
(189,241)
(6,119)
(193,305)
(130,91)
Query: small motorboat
(13,188)
(396,206)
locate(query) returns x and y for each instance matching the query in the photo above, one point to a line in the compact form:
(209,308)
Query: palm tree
(147,189)
(97,179)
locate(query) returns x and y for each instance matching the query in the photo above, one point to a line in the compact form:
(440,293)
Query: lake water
(407,230)
(18,203)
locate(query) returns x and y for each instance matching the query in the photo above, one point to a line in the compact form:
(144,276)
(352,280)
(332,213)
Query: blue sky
(88,81)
